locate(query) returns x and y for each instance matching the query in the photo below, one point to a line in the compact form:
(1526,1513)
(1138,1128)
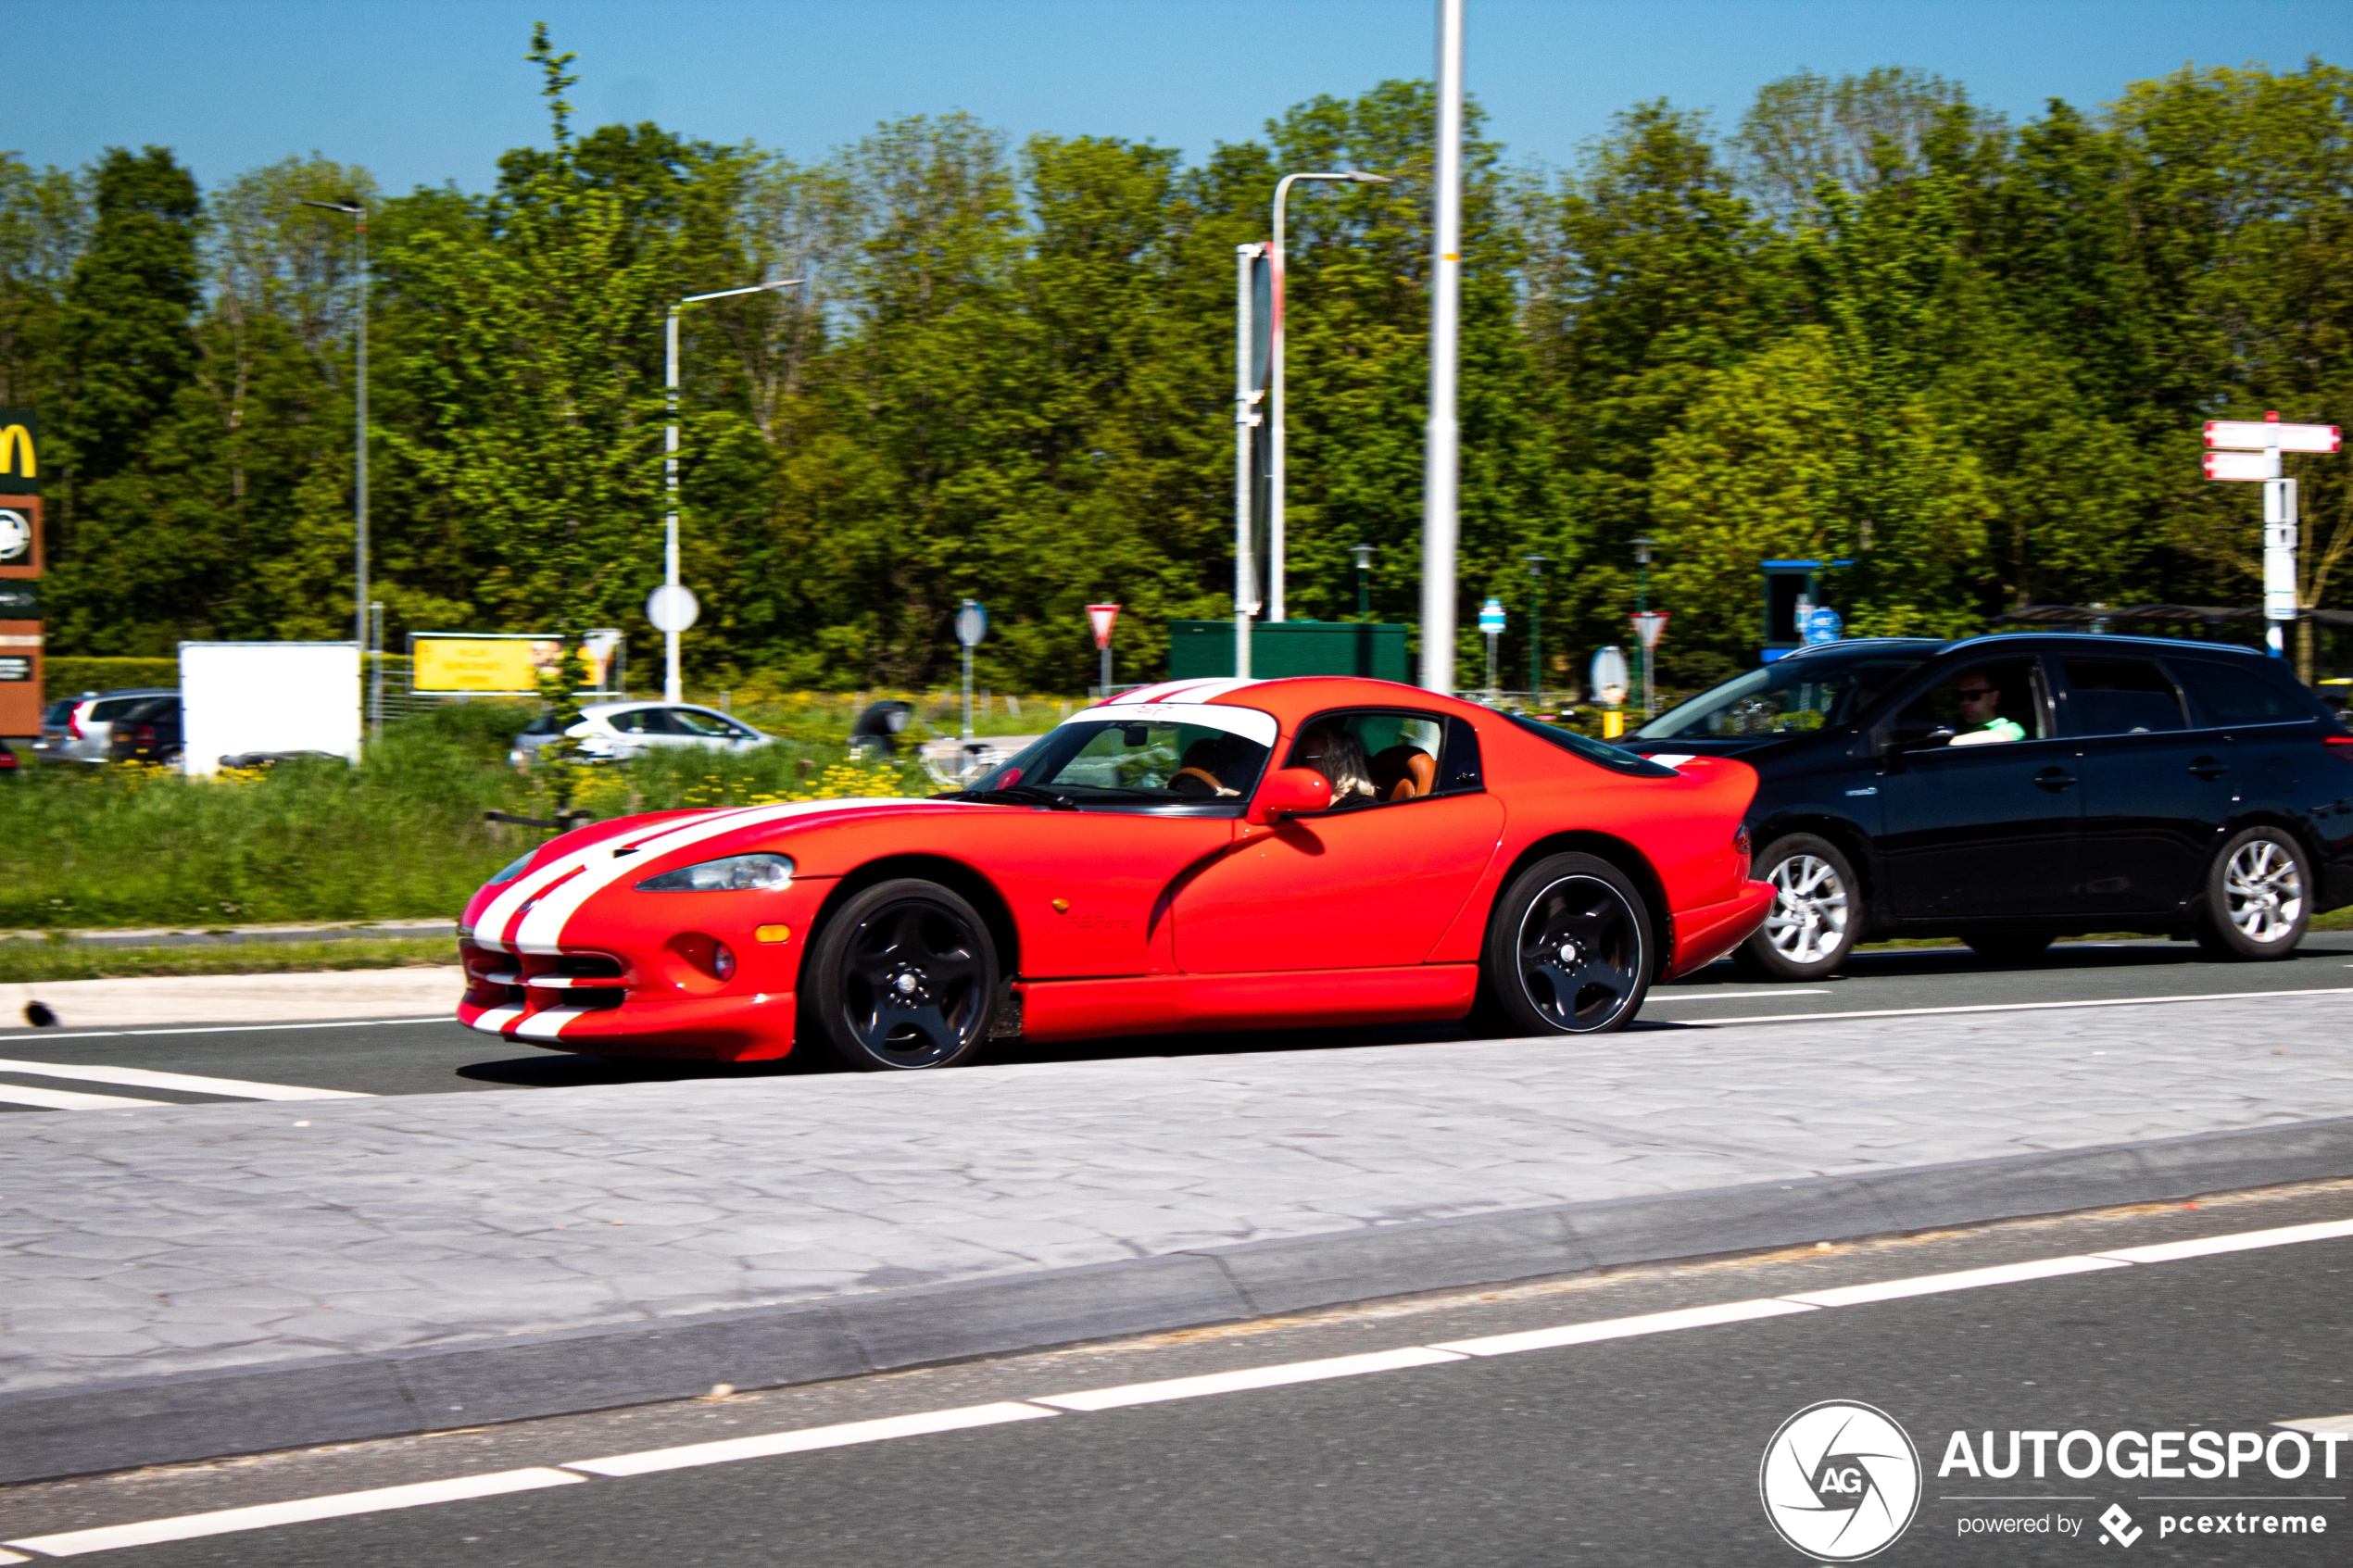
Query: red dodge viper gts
(1196,854)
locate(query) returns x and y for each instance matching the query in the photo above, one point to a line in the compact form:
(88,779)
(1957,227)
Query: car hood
(529,909)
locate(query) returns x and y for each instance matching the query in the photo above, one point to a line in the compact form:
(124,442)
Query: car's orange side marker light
(773,932)
(1061,906)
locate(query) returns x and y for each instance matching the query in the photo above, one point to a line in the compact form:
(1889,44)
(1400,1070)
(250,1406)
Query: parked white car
(81,729)
(613,732)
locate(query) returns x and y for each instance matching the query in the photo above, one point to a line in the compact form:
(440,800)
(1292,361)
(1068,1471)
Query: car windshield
(1791,697)
(1131,763)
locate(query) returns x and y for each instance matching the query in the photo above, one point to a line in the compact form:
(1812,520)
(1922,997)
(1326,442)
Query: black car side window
(2224,696)
(1987,704)
(1374,758)
(2122,696)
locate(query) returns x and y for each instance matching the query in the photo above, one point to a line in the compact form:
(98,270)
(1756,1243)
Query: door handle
(2055,779)
(2209,767)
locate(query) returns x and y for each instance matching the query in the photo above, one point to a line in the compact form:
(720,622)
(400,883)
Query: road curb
(125,1424)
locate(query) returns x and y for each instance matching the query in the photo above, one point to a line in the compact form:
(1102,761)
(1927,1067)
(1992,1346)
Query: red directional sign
(2242,465)
(2254,436)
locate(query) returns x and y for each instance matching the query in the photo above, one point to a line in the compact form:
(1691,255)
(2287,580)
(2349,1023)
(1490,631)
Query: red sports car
(1197,855)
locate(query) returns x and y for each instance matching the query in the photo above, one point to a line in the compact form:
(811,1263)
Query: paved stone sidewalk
(130,1003)
(135,1243)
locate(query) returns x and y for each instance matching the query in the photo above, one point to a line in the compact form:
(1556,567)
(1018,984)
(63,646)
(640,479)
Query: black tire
(902,977)
(2008,946)
(2258,896)
(1570,949)
(1811,877)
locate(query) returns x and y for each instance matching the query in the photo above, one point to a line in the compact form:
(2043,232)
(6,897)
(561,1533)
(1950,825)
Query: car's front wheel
(1570,949)
(2258,896)
(903,976)
(1817,915)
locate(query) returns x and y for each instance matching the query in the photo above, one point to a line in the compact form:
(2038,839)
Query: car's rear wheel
(2008,946)
(903,976)
(1817,914)
(1570,949)
(2258,896)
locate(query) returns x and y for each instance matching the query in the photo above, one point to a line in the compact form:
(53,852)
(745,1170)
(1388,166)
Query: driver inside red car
(1334,751)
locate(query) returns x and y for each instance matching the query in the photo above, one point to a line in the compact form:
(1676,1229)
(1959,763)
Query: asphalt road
(412,1058)
(1632,1451)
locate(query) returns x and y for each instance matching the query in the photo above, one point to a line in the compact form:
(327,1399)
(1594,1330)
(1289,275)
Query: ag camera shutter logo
(1840,1481)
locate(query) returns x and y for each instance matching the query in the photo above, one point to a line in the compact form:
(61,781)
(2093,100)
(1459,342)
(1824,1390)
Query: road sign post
(1102,617)
(1649,624)
(972,624)
(1607,680)
(1490,625)
(2248,451)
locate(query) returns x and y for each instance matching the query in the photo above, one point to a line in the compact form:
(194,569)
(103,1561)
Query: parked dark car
(149,733)
(9,765)
(2009,790)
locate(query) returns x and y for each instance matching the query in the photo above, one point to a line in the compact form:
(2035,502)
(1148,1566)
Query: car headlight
(736,871)
(514,870)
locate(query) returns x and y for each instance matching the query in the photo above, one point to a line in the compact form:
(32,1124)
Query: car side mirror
(1288,792)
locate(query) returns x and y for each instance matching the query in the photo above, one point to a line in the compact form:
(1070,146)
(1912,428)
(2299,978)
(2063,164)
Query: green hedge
(71,677)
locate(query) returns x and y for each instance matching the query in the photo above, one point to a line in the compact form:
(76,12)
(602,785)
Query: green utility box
(1203,649)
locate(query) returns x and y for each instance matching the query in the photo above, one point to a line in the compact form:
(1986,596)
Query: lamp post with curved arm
(673,688)
(1274,385)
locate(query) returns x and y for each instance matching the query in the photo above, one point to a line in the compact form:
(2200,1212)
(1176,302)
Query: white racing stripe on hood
(490,930)
(542,928)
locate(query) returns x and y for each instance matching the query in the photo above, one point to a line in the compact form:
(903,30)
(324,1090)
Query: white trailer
(241,697)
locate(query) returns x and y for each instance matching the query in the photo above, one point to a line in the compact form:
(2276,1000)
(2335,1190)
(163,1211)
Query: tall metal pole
(1246,419)
(1275,534)
(1441,434)
(1535,565)
(359,423)
(673,687)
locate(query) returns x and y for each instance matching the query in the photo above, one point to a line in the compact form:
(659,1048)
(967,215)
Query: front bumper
(758,1027)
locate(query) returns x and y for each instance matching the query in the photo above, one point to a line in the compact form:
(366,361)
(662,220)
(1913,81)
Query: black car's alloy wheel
(903,976)
(1569,949)
(1816,916)
(2257,899)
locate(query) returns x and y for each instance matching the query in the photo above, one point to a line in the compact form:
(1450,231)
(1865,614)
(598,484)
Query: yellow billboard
(486,666)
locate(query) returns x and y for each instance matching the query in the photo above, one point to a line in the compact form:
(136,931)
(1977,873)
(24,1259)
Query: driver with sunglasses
(1982,722)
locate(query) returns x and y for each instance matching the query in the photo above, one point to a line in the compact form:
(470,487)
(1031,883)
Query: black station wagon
(2009,790)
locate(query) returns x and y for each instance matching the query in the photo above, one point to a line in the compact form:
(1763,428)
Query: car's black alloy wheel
(1569,949)
(1816,917)
(903,976)
(2258,896)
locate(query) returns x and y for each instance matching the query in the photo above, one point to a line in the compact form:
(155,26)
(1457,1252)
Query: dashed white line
(2013,1007)
(229,1521)
(769,1445)
(187,1083)
(67,1099)
(1700,995)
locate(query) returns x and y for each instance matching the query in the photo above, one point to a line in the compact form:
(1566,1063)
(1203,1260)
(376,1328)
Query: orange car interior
(1403,773)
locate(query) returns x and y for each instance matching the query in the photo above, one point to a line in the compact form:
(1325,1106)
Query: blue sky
(425,91)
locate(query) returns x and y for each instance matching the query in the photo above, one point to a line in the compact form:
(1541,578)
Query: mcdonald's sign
(19,452)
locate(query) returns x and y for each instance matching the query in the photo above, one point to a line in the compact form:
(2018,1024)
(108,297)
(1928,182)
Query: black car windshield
(1793,697)
(1130,764)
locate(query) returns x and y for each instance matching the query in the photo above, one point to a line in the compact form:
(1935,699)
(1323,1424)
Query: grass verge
(23,963)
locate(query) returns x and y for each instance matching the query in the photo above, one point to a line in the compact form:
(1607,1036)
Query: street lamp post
(1643,546)
(1441,433)
(358,216)
(1536,564)
(673,689)
(1364,554)
(1275,385)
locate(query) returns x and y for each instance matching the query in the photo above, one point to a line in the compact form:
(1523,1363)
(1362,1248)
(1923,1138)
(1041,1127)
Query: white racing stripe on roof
(1249,723)
(1186,691)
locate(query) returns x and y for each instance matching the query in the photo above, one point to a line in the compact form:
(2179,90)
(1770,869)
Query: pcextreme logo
(1840,1481)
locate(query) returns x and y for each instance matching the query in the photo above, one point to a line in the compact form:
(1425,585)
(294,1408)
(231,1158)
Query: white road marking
(728,1451)
(144,1078)
(67,1099)
(769,1445)
(1699,994)
(2245,1241)
(1252,1377)
(1963,1279)
(222,1028)
(228,1521)
(1623,1328)
(2018,1006)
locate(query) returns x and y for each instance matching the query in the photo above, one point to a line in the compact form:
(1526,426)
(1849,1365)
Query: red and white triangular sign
(1648,625)
(1102,617)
